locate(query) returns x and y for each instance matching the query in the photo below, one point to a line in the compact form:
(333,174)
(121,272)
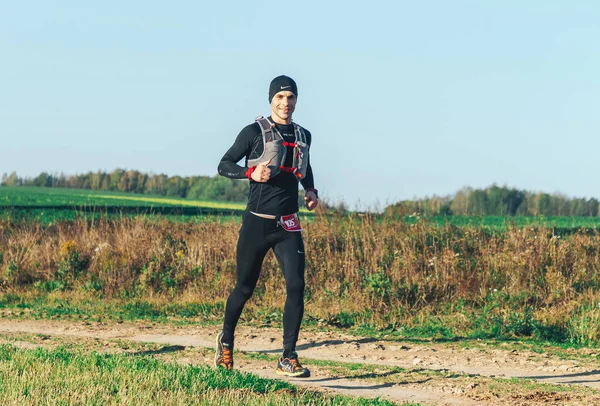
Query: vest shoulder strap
(300,134)
(266,128)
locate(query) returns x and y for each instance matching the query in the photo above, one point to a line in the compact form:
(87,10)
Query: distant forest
(498,201)
(491,201)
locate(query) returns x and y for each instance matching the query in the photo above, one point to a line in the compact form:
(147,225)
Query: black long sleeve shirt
(279,195)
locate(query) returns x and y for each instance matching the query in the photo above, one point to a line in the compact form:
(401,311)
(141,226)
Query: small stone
(564,367)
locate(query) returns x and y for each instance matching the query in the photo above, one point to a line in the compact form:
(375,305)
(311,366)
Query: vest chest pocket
(301,158)
(275,154)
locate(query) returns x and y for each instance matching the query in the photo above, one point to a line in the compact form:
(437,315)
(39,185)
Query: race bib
(290,222)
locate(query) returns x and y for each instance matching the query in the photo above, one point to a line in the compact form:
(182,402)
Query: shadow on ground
(163,350)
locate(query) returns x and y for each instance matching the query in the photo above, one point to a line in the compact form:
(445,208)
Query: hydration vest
(275,149)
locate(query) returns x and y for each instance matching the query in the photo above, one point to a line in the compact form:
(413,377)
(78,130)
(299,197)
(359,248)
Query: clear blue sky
(404,99)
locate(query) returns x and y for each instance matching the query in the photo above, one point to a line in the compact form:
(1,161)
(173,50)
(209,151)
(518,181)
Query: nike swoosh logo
(300,252)
(284,87)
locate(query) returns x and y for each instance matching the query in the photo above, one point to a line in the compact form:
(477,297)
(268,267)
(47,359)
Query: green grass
(91,307)
(61,376)
(39,196)
(48,205)
(501,222)
(49,216)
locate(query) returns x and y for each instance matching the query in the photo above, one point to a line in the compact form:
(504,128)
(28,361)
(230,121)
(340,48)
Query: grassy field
(411,280)
(76,375)
(54,204)
(443,278)
(414,277)
(47,205)
(500,223)
(38,196)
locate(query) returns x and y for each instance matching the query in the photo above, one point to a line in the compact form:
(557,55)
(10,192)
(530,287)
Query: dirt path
(477,362)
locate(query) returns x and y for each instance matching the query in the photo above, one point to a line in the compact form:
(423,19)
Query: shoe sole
(303,374)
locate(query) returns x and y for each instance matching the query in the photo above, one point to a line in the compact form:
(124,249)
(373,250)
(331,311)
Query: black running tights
(257,236)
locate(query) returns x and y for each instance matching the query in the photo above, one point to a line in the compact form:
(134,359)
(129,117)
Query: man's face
(283,105)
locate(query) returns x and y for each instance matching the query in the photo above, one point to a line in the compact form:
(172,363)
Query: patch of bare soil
(441,374)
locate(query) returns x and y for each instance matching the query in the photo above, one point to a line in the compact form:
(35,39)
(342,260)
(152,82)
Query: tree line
(491,201)
(498,201)
(132,181)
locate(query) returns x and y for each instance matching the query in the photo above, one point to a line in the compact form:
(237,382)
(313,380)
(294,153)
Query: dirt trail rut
(341,348)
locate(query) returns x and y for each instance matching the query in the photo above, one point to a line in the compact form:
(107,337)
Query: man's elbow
(221,169)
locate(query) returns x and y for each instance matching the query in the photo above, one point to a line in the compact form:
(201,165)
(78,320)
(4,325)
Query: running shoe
(224,355)
(291,367)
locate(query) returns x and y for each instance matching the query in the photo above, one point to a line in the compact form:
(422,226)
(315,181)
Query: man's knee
(295,287)
(245,292)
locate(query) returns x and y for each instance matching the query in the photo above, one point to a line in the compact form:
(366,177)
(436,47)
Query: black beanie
(281,83)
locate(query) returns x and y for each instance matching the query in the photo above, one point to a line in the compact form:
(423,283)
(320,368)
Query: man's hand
(311,200)
(262,173)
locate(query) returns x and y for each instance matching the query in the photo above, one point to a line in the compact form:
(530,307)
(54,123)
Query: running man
(276,160)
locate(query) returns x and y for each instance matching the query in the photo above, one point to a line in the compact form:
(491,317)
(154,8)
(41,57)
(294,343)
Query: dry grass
(383,272)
